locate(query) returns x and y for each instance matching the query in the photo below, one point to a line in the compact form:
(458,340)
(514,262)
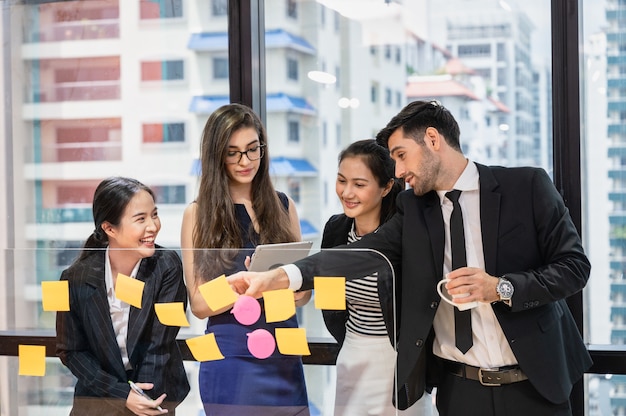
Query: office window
(338,134)
(98,21)
(294,189)
(374,92)
(501,52)
(220,67)
(160,9)
(81,140)
(483,72)
(74,79)
(324,133)
(398,55)
(163,132)
(292,9)
(293,128)
(162,70)
(169,194)
(67,202)
(387,52)
(292,69)
(219,7)
(388,96)
(33,132)
(322,15)
(483,50)
(502,78)
(74,194)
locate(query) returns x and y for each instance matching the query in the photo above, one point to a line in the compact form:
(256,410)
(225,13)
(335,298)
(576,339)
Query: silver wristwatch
(505,290)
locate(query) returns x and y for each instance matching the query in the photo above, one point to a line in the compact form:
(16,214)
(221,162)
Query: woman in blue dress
(236,209)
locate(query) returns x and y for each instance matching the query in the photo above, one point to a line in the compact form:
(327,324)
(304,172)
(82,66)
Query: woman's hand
(302,298)
(143,406)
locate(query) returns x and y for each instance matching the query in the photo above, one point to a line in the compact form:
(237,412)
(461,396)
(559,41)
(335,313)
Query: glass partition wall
(105,87)
(273,333)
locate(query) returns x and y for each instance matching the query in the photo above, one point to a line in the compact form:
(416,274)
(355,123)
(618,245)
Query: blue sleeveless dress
(241,384)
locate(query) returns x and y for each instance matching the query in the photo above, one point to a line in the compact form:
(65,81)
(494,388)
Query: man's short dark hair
(416,117)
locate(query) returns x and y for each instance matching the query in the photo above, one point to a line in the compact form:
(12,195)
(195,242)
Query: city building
(104,87)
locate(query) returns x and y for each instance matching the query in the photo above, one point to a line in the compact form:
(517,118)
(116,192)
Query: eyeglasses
(254,153)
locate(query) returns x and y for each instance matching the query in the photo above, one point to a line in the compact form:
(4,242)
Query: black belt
(486,376)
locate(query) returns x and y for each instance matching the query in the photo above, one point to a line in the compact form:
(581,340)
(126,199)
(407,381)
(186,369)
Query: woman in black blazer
(367,190)
(106,342)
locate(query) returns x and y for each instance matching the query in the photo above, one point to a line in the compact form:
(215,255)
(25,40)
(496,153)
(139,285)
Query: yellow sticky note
(217,293)
(330,293)
(129,290)
(171,314)
(55,296)
(204,348)
(292,341)
(32,360)
(280,305)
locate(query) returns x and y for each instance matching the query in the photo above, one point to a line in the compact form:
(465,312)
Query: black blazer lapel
(435,226)
(98,317)
(139,318)
(490,217)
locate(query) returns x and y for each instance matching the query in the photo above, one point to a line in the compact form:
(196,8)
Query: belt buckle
(484,383)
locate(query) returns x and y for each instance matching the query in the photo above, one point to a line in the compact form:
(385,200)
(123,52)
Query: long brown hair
(216,224)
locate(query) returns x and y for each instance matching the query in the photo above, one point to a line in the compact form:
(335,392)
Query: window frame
(247,86)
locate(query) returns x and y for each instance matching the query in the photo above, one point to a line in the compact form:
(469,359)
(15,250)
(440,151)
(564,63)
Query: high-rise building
(616,135)
(494,39)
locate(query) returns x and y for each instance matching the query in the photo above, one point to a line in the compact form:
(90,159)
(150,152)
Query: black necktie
(462,319)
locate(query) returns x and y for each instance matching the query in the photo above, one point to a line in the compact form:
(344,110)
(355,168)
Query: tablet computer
(270,256)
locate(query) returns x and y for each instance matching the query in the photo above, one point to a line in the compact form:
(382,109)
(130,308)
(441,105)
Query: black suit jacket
(336,233)
(528,235)
(86,340)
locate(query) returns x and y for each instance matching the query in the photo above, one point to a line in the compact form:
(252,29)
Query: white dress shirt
(119,310)
(490,348)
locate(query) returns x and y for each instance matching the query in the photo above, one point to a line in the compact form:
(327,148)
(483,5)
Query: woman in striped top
(365,330)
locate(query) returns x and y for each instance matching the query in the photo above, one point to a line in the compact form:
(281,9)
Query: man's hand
(255,283)
(480,285)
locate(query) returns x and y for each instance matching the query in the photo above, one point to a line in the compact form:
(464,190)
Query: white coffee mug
(448,298)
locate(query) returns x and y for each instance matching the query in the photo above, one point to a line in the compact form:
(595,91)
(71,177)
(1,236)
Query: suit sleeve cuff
(294,275)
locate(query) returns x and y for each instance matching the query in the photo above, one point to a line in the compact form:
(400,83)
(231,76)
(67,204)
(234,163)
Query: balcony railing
(82,152)
(77,30)
(78,91)
(64,215)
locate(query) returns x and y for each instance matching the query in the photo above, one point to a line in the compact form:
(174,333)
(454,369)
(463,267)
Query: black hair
(109,203)
(416,117)
(378,161)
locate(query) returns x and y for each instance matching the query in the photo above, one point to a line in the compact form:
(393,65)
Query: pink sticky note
(261,343)
(247,310)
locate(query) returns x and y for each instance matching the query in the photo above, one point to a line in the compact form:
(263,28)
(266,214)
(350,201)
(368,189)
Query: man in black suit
(524,257)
